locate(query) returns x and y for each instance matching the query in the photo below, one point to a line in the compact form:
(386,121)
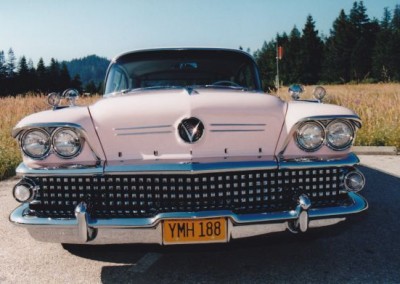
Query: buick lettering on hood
(185,148)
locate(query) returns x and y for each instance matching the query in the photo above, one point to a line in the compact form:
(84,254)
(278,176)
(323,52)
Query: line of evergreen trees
(358,49)
(22,77)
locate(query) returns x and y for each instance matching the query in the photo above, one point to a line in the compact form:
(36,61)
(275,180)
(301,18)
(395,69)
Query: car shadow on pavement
(365,248)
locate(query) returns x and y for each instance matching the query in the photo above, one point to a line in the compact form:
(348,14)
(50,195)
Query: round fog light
(23,192)
(354,181)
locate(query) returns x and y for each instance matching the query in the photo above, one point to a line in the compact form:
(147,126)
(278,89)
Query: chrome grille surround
(140,195)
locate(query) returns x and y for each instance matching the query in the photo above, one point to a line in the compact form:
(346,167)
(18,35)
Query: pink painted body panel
(143,125)
(75,115)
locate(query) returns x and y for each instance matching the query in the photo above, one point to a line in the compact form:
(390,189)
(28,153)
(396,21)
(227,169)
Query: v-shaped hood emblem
(191,130)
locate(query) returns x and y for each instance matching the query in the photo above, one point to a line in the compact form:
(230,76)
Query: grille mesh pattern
(145,195)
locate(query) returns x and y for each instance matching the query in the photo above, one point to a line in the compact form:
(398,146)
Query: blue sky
(75,28)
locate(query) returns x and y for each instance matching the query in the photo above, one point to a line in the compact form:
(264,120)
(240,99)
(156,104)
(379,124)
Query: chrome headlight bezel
(76,143)
(318,140)
(349,133)
(47,144)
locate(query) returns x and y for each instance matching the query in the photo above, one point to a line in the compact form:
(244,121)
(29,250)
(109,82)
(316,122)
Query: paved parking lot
(364,249)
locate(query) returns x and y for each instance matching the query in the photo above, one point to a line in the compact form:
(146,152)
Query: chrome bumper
(83,229)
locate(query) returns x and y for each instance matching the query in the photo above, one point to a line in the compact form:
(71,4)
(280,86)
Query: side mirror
(295,91)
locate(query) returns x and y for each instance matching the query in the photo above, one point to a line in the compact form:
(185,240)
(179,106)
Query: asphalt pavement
(364,249)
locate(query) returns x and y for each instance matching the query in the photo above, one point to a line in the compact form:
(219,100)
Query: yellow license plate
(195,231)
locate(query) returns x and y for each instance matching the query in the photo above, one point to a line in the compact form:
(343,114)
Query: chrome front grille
(145,195)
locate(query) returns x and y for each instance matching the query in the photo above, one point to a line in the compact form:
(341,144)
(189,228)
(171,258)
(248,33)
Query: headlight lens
(310,136)
(340,135)
(35,143)
(66,143)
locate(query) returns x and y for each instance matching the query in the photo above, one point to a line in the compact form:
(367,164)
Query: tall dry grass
(378,105)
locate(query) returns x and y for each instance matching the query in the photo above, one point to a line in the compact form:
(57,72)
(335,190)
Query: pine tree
(284,64)
(382,68)
(3,68)
(53,75)
(364,35)
(266,58)
(76,83)
(338,49)
(395,24)
(395,42)
(23,76)
(311,53)
(65,78)
(41,75)
(292,55)
(10,65)
(91,88)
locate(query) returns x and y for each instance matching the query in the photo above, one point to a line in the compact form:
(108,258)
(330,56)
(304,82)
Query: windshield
(182,68)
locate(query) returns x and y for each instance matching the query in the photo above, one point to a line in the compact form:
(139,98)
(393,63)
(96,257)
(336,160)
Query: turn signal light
(354,181)
(24,191)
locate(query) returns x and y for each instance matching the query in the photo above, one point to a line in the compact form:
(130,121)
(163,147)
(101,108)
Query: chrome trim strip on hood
(153,129)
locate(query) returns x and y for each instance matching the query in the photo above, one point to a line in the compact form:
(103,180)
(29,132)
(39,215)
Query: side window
(116,80)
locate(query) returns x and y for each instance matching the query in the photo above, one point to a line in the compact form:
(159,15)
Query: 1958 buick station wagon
(185,148)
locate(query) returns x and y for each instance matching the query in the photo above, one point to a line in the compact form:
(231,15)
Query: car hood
(144,125)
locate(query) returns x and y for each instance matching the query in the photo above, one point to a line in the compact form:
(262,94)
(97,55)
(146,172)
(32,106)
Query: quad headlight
(66,142)
(38,143)
(35,143)
(339,134)
(310,136)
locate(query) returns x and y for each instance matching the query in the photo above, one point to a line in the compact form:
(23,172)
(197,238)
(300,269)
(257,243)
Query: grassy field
(378,106)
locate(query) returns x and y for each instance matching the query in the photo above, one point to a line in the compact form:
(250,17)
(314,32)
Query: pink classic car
(185,148)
